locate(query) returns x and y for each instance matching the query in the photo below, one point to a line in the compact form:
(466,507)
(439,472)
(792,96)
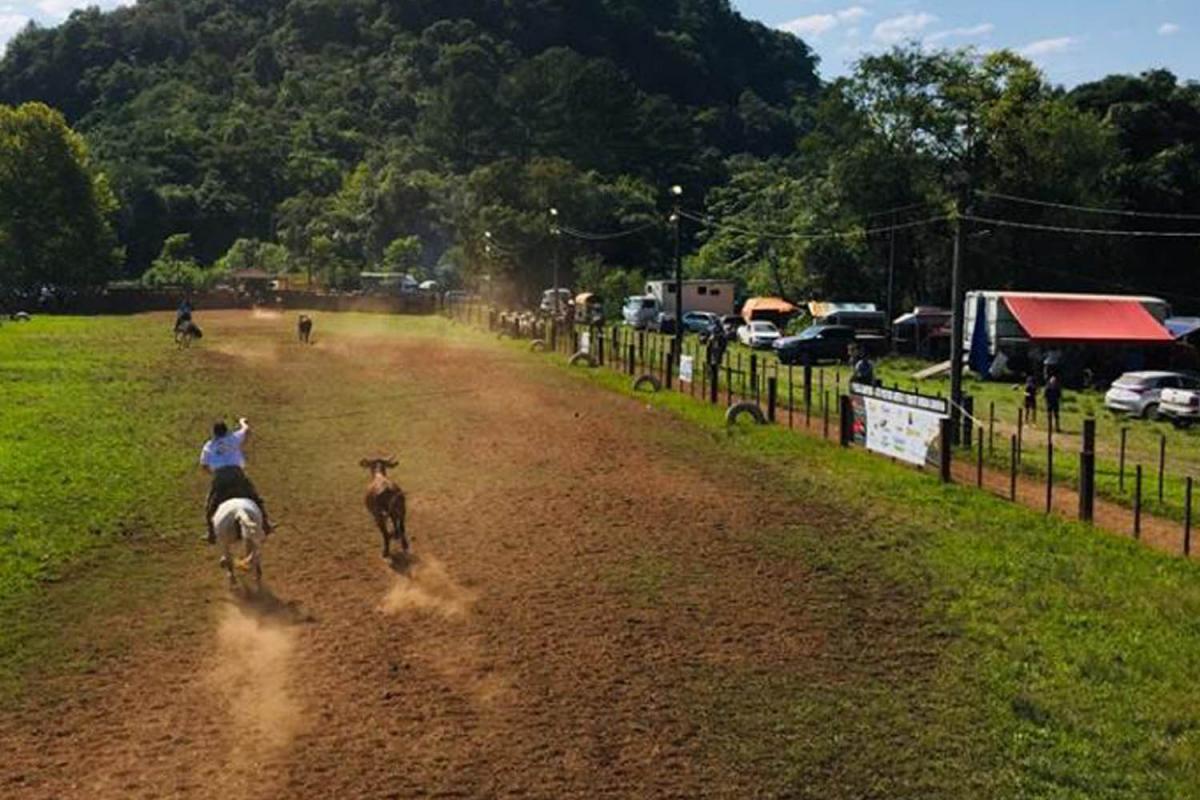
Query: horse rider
(183,313)
(222,457)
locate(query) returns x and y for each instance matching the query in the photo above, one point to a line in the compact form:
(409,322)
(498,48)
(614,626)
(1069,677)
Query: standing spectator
(1053,399)
(1031,393)
(864,371)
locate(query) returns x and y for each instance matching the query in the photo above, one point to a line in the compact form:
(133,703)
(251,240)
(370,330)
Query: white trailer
(714,295)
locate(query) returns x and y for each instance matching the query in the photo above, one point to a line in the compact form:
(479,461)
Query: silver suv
(1140,393)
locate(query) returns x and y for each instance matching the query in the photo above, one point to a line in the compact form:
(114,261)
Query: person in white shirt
(222,457)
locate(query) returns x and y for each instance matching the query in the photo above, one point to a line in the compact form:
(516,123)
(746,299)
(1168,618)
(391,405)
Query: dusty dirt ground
(525,650)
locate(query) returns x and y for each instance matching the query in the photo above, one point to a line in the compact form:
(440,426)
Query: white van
(640,310)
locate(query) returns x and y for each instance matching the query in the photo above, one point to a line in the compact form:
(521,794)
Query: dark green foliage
(346,125)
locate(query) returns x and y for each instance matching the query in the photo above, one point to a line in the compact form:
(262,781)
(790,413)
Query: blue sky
(1072,40)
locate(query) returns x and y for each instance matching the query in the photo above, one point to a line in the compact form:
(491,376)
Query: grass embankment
(94,418)
(979,649)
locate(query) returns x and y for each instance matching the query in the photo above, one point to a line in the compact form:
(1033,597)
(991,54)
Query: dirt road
(577,580)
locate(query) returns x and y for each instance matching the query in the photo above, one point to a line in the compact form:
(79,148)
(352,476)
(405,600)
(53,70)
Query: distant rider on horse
(183,313)
(222,457)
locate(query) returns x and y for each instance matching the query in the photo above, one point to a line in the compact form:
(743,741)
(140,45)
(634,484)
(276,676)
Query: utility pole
(891,311)
(676,217)
(957,326)
(556,233)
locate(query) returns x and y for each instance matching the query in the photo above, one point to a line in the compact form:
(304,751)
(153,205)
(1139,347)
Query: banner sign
(685,368)
(898,424)
(585,342)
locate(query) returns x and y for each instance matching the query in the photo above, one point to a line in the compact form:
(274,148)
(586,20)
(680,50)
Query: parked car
(1139,393)
(549,305)
(817,343)
(700,321)
(758,335)
(640,310)
(662,323)
(1180,406)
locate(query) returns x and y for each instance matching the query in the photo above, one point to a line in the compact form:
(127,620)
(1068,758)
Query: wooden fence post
(772,389)
(1121,462)
(1087,472)
(946,442)
(992,428)
(1012,470)
(1162,463)
(1049,468)
(1187,518)
(1137,502)
(845,420)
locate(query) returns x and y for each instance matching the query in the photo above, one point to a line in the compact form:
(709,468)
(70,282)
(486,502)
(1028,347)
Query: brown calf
(304,328)
(385,500)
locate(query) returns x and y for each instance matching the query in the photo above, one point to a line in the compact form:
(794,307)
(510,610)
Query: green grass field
(1143,437)
(1062,658)
(1029,657)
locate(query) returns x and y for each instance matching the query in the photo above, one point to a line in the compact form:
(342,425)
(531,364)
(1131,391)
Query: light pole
(677,194)
(555,232)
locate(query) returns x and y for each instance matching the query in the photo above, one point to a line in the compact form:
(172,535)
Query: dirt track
(575,581)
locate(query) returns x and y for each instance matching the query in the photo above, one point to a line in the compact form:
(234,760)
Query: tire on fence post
(647,380)
(537,346)
(581,358)
(736,411)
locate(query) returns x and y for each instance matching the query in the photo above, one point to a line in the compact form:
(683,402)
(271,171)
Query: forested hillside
(330,136)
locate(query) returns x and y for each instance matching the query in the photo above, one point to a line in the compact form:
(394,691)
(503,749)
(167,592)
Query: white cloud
(983,29)
(10,26)
(906,26)
(1168,29)
(1044,47)
(817,24)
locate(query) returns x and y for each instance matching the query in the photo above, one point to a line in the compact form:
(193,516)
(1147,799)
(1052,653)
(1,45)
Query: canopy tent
(769,308)
(1086,319)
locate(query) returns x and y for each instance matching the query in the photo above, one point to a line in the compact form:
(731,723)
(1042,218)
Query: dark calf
(386,502)
(304,328)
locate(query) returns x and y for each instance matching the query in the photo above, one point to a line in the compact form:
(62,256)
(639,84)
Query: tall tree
(55,206)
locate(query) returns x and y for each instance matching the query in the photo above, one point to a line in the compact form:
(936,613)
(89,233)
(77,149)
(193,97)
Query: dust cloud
(253,675)
(427,586)
(262,313)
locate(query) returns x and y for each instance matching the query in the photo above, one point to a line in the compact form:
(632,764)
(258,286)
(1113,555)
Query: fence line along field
(607,596)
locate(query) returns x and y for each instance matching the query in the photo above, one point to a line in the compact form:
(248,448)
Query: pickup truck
(1180,406)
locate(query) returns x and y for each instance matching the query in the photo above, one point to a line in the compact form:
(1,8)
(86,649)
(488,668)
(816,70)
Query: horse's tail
(251,529)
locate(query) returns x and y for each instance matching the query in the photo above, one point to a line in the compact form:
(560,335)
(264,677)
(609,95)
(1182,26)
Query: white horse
(240,520)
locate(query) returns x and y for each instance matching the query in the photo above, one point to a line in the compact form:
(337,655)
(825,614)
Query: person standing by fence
(1053,400)
(1031,393)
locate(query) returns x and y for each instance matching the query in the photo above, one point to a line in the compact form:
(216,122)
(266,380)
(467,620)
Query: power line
(1086,209)
(796,236)
(600,237)
(1033,226)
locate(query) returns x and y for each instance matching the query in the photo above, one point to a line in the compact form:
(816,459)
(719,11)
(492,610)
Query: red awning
(1060,319)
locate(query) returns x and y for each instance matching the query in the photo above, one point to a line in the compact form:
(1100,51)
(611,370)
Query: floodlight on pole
(676,218)
(554,231)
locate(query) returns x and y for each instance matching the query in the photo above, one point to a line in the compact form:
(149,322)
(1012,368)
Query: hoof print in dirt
(647,383)
(738,410)
(582,358)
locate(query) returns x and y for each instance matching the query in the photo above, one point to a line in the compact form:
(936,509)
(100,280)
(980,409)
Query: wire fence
(1096,477)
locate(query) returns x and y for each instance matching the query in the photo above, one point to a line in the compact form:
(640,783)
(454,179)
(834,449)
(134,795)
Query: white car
(758,335)
(1181,406)
(1139,393)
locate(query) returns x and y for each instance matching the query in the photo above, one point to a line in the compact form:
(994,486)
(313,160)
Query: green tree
(55,206)
(176,268)
(403,254)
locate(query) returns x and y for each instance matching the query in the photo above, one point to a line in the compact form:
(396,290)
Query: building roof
(1085,318)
